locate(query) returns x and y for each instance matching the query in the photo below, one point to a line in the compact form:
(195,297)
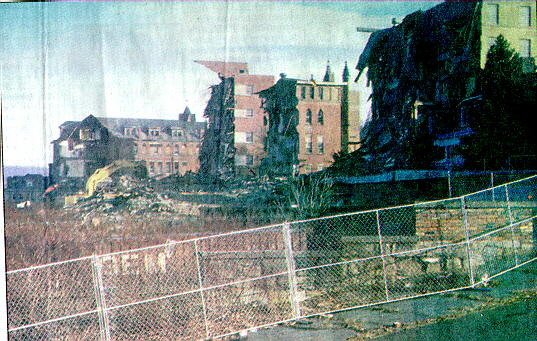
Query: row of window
(319,92)
(309,144)
(493,15)
(245,113)
(160,167)
(309,117)
(175,132)
(156,148)
(244,89)
(90,134)
(524,46)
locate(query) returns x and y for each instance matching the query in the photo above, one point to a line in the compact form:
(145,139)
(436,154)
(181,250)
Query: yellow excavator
(98,176)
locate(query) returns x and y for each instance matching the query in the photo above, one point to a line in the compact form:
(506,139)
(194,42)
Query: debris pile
(124,193)
(188,195)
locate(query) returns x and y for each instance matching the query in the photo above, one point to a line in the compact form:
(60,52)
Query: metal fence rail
(219,285)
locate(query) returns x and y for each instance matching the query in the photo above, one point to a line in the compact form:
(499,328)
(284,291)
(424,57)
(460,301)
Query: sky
(62,61)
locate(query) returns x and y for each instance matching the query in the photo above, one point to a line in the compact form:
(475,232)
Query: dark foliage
(504,129)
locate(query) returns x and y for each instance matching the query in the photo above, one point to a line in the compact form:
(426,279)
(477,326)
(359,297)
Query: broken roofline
(225,69)
(445,12)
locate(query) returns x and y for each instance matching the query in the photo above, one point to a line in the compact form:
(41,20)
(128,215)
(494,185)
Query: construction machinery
(98,176)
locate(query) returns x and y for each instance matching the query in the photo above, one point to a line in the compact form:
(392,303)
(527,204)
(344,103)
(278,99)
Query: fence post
(450,192)
(467,232)
(382,257)
(291,270)
(492,186)
(511,221)
(200,283)
(100,298)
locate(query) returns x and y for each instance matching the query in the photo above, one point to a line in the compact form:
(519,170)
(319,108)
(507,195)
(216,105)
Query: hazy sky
(63,61)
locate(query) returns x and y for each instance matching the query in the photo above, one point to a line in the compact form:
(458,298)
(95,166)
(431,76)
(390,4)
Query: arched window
(308,116)
(320,117)
(309,144)
(320,144)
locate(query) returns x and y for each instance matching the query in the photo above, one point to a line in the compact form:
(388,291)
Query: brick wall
(447,222)
(165,158)
(328,129)
(249,119)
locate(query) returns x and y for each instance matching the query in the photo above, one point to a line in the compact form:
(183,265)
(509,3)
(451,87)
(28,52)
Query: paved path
(495,313)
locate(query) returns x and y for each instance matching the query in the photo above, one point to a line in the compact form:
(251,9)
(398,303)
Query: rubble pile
(125,193)
(176,195)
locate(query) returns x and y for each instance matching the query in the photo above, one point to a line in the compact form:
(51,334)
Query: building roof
(66,129)
(225,69)
(429,27)
(329,75)
(117,124)
(191,131)
(117,127)
(295,81)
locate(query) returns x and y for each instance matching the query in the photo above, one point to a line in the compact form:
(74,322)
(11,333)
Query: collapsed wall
(280,104)
(420,70)
(217,151)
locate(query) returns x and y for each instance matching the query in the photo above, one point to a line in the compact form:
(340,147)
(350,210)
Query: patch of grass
(383,309)
(430,282)
(471,297)
(530,270)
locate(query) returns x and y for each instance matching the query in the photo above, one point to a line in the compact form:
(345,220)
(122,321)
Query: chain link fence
(459,183)
(219,285)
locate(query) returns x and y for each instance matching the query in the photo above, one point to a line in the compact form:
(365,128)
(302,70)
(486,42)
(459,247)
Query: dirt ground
(504,310)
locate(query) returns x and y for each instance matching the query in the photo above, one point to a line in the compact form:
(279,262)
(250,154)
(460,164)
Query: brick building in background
(308,122)
(165,146)
(235,138)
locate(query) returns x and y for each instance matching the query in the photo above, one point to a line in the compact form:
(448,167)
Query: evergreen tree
(503,125)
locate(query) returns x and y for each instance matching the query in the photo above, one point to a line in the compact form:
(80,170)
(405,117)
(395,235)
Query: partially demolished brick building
(166,147)
(235,138)
(308,122)
(423,73)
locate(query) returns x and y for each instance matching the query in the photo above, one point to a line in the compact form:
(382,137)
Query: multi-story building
(424,74)
(165,146)
(235,138)
(515,20)
(309,121)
